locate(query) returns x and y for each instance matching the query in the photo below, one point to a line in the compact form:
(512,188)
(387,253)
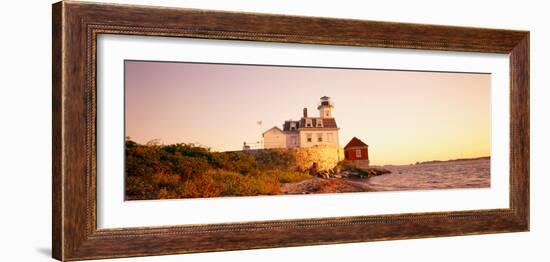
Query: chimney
(305,112)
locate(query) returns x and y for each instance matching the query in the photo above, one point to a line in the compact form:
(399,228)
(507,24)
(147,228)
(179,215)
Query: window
(329,137)
(319,123)
(309,123)
(319,137)
(293,140)
(327,114)
(292,126)
(357,152)
(308,137)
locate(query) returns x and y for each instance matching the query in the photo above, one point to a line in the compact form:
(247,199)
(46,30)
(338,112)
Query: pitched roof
(276,128)
(327,123)
(355,142)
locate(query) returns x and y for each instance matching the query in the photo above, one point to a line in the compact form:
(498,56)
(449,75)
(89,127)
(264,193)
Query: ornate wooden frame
(76,26)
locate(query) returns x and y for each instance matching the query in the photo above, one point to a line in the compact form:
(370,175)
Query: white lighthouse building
(306,132)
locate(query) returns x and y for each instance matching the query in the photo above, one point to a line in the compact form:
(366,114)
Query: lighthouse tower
(325,107)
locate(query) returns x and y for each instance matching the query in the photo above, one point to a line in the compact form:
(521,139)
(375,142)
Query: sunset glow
(404,117)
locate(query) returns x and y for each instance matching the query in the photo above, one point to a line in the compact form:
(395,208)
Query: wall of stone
(364,164)
(302,158)
(326,157)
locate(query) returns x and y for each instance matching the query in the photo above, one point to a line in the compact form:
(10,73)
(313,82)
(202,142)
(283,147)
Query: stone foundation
(326,157)
(363,164)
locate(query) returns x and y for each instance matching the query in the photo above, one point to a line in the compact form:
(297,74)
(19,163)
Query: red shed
(356,150)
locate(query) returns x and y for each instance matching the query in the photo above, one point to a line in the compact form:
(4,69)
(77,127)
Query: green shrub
(235,184)
(199,186)
(139,187)
(189,171)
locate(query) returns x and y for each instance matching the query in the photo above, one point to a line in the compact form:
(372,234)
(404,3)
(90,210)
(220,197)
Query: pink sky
(404,116)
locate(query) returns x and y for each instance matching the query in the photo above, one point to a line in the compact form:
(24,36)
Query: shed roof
(355,142)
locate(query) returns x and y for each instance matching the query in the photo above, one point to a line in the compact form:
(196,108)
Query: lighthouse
(309,131)
(325,107)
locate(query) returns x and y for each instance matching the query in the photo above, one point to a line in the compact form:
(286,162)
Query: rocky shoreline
(343,178)
(322,185)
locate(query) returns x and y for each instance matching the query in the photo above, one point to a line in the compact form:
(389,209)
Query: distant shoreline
(454,160)
(437,161)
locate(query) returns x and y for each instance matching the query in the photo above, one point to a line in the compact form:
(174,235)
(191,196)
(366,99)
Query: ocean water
(443,175)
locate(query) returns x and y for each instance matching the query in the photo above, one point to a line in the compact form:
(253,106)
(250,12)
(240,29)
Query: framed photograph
(183,130)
